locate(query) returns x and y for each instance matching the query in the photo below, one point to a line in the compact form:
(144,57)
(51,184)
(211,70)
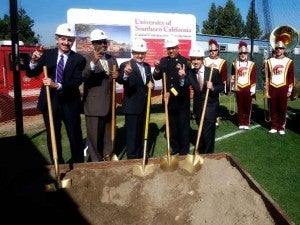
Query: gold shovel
(65,183)
(168,163)
(113,157)
(144,170)
(193,163)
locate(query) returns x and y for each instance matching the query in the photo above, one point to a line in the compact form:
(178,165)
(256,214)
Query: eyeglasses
(279,48)
(213,50)
(243,53)
(99,42)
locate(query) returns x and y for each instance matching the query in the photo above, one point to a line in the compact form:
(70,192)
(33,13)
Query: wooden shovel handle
(167,116)
(50,114)
(113,109)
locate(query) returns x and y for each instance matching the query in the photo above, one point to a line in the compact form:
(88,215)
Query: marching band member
(214,60)
(244,74)
(281,82)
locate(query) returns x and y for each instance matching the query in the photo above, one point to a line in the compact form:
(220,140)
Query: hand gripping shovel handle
(52,133)
(202,116)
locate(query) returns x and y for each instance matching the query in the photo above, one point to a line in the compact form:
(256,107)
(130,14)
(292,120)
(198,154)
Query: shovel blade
(169,163)
(193,163)
(112,157)
(142,171)
(66,183)
(63,184)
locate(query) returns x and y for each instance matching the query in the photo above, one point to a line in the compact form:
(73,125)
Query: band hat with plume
(243,47)
(279,42)
(213,44)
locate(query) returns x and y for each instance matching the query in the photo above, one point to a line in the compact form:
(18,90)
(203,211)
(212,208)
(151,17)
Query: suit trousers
(134,125)
(99,136)
(179,121)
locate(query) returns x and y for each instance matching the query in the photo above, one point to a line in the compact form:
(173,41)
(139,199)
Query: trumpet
(296,91)
(267,81)
(232,88)
(234,79)
(266,94)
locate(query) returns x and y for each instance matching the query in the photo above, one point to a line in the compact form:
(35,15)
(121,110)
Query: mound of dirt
(217,194)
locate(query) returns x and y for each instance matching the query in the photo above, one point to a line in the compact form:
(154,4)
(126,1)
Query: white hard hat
(65,30)
(171,41)
(196,51)
(139,45)
(97,34)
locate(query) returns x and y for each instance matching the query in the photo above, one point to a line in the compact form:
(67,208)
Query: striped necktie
(142,70)
(60,69)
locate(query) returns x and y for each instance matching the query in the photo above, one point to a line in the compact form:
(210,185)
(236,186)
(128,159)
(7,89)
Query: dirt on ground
(217,194)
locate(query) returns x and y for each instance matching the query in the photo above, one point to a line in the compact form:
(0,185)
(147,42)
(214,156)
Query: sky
(48,14)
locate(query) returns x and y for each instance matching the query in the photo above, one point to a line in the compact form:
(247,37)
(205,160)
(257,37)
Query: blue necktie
(60,69)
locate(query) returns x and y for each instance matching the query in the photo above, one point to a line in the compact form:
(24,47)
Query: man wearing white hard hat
(135,76)
(177,95)
(198,77)
(101,68)
(64,68)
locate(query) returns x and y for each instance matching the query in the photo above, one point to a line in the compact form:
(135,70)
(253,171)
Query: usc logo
(278,69)
(242,71)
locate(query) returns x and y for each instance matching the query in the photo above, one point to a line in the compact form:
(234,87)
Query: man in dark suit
(64,68)
(178,95)
(198,77)
(98,77)
(135,75)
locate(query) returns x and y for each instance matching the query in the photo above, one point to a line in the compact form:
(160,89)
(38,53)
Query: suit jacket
(170,67)
(199,95)
(97,95)
(72,77)
(135,91)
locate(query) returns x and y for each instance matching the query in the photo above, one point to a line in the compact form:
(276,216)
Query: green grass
(272,160)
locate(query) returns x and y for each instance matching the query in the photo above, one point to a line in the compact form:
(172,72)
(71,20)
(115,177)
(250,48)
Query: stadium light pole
(16,69)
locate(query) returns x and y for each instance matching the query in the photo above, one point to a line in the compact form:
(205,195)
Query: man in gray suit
(101,68)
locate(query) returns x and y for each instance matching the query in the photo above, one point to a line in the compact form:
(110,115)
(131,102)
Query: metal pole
(252,26)
(16,69)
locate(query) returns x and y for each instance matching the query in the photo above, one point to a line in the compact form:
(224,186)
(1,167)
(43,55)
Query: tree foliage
(210,25)
(228,21)
(252,25)
(25,25)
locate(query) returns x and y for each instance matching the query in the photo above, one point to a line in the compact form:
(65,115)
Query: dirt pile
(215,195)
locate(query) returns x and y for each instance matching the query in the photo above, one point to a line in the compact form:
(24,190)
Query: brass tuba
(290,38)
(288,34)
